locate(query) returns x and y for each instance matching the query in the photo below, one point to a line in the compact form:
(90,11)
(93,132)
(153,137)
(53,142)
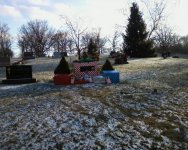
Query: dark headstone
(4,61)
(59,54)
(19,74)
(19,71)
(28,55)
(64,54)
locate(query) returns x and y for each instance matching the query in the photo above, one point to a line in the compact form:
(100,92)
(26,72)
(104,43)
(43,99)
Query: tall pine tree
(136,43)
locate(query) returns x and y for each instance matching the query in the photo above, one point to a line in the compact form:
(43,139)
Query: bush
(107,66)
(63,67)
(121,58)
(113,54)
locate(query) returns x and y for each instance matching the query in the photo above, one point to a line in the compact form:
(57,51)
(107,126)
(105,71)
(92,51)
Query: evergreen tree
(136,43)
(92,47)
(63,67)
(107,66)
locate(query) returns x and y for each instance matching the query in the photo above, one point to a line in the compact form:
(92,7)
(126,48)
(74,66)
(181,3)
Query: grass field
(146,110)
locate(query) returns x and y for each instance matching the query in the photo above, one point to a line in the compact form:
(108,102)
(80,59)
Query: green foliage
(107,66)
(135,41)
(63,67)
(85,57)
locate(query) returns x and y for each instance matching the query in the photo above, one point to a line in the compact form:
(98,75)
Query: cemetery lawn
(148,109)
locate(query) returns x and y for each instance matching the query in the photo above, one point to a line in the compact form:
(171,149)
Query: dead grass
(100,94)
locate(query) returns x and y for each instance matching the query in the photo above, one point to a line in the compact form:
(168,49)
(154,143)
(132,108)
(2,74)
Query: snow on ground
(147,110)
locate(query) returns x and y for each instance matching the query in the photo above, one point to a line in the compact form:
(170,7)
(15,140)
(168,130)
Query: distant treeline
(134,40)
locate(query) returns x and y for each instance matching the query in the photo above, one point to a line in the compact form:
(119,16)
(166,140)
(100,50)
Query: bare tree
(156,10)
(102,43)
(5,41)
(95,35)
(60,41)
(85,40)
(114,41)
(75,30)
(70,45)
(35,36)
(184,41)
(23,43)
(165,38)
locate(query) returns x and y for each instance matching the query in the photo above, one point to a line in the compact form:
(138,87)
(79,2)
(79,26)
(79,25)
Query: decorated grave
(84,71)
(81,68)
(19,74)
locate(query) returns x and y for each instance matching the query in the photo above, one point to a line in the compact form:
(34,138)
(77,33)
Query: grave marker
(4,61)
(19,74)
(28,55)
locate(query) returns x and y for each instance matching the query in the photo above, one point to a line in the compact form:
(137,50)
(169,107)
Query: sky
(104,14)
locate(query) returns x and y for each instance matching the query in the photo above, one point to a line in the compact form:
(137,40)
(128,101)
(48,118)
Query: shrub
(63,67)
(113,54)
(121,58)
(107,66)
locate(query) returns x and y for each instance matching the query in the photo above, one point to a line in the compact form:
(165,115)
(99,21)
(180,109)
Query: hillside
(146,110)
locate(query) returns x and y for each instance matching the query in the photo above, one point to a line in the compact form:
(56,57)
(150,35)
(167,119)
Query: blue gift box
(112,74)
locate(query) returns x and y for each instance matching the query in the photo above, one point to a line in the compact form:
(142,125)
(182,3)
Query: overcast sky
(96,13)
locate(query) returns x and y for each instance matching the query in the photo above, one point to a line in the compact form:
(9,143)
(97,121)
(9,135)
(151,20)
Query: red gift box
(62,79)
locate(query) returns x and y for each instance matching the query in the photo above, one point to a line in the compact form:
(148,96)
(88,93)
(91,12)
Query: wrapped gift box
(62,79)
(112,74)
